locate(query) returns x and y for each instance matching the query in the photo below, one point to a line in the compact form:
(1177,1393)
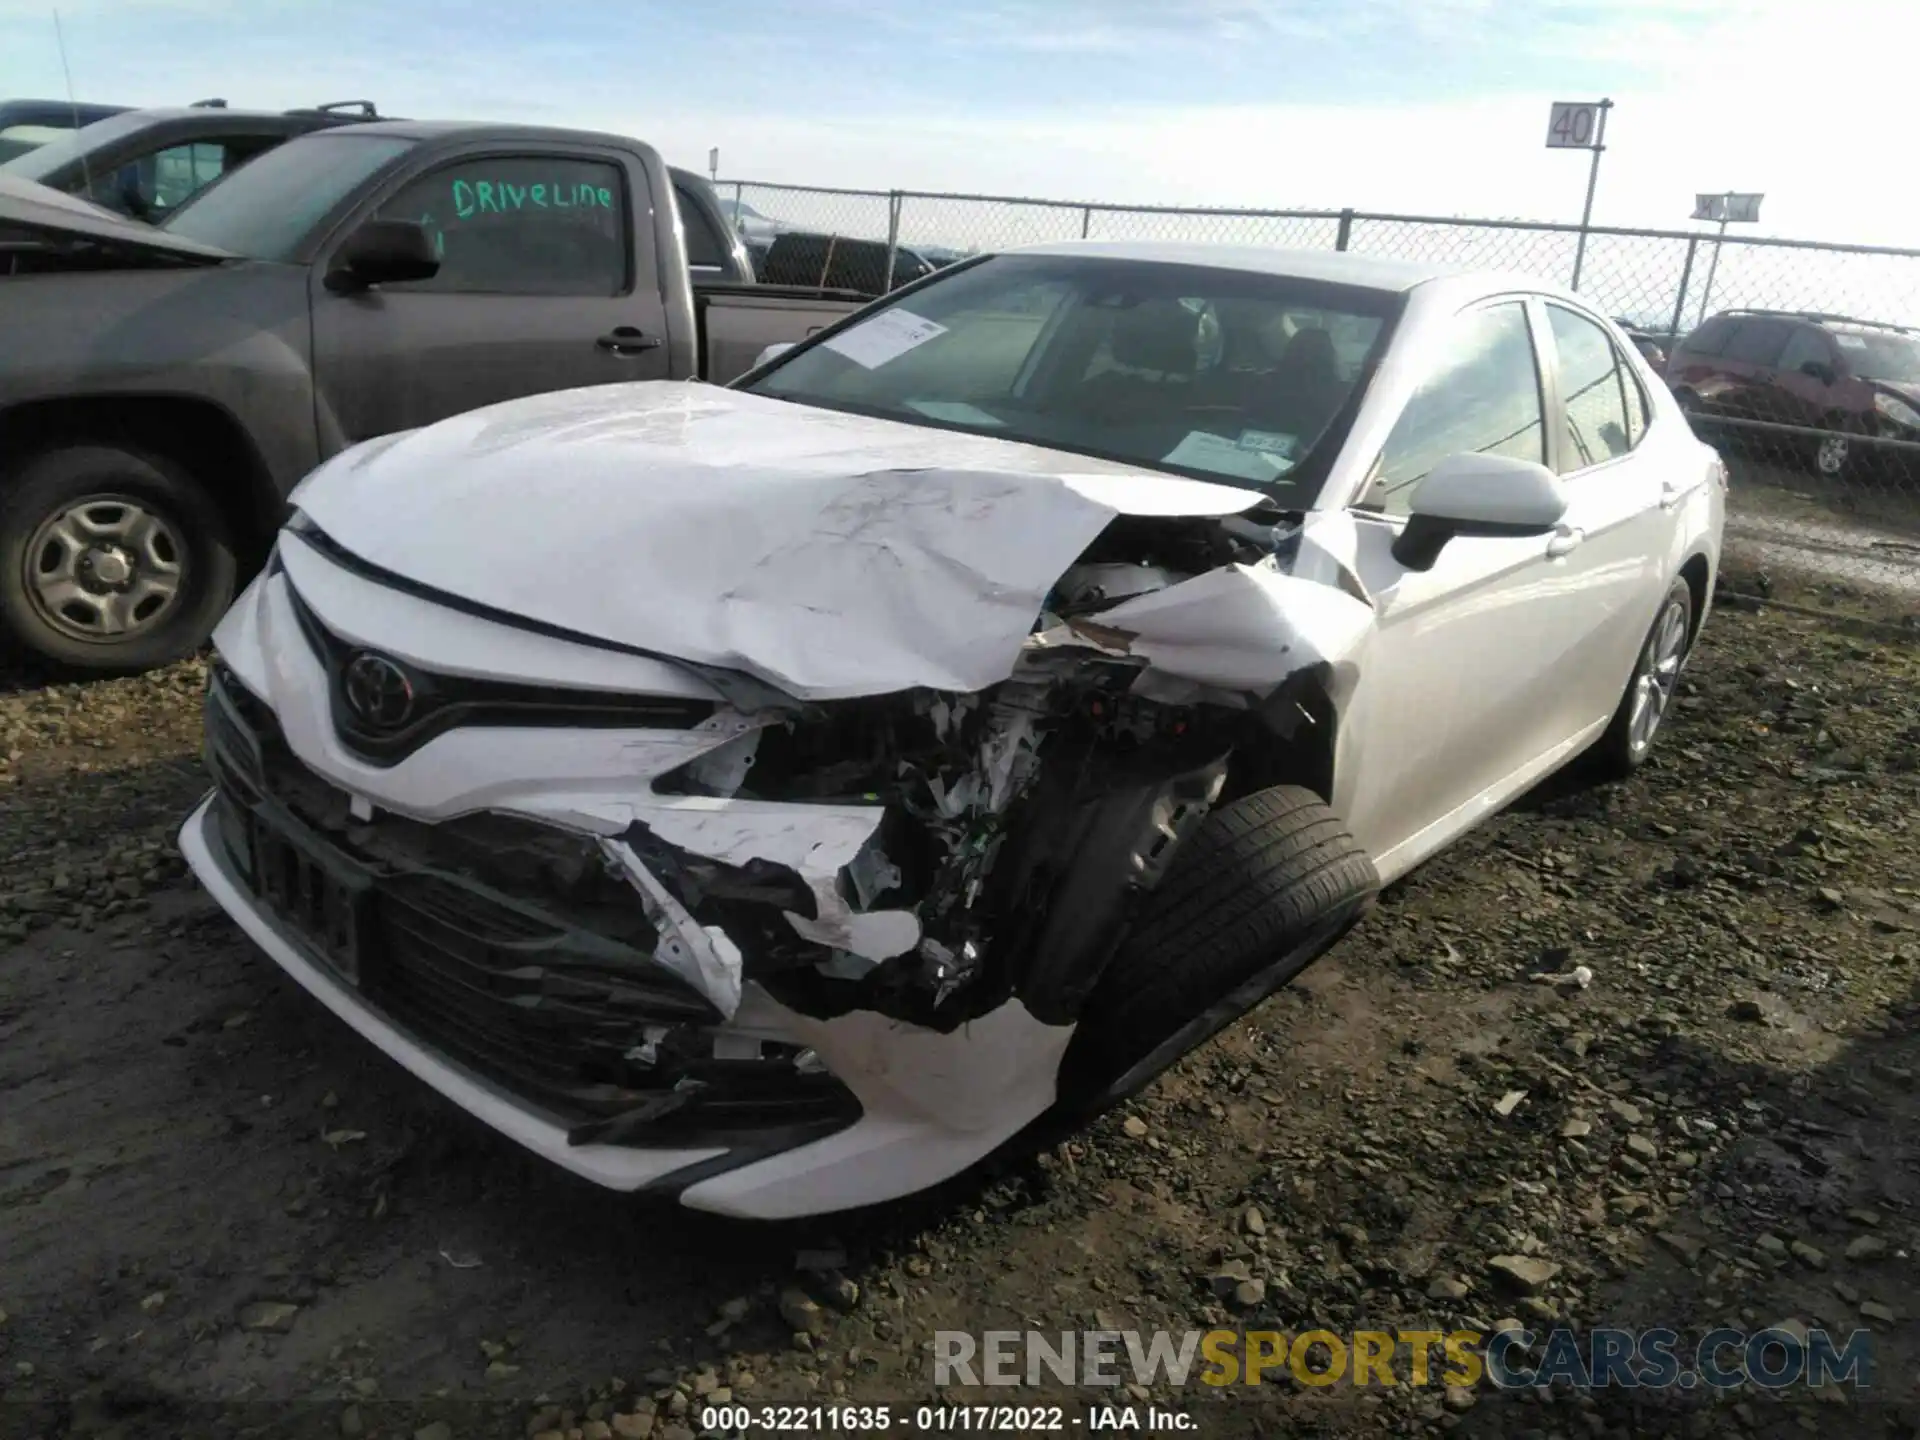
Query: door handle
(1566,539)
(627,340)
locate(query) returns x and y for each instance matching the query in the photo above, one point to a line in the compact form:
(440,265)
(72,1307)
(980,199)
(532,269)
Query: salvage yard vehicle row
(346,285)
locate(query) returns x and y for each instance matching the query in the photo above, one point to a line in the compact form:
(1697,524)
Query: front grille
(443,702)
(505,946)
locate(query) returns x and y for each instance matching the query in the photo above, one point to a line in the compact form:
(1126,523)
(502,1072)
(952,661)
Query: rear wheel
(1836,455)
(1263,888)
(111,561)
(1656,676)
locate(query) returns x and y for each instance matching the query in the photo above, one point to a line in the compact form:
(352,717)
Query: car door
(1809,372)
(1459,692)
(1616,529)
(1751,364)
(545,283)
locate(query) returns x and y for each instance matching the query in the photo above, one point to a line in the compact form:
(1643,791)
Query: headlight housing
(1896,410)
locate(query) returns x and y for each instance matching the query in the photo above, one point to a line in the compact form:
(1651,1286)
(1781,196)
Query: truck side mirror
(382,252)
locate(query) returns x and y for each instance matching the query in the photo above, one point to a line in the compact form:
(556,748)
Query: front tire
(112,561)
(1263,888)
(1656,676)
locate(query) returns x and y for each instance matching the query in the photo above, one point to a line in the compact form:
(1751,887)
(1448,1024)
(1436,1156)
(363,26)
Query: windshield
(1204,372)
(1887,356)
(268,206)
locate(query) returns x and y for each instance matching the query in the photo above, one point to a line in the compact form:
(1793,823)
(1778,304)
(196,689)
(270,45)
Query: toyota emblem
(378,691)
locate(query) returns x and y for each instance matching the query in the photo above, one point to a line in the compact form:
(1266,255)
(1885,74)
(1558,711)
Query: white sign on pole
(1728,208)
(713,161)
(1574,125)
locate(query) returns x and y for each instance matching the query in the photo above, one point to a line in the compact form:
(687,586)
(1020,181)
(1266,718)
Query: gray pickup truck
(163,390)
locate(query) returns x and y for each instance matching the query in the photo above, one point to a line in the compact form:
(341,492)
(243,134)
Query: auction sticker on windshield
(1256,455)
(887,336)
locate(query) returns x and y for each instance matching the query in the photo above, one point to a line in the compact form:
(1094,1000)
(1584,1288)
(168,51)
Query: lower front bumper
(616,1167)
(932,1104)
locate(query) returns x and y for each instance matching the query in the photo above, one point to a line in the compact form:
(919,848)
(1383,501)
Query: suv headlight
(1897,410)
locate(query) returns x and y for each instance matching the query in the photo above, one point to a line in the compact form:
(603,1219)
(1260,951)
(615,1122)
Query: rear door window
(1759,342)
(521,225)
(1596,421)
(705,249)
(1808,346)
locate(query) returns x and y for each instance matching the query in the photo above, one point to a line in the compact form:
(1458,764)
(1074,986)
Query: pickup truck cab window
(521,225)
(1482,398)
(269,207)
(1214,373)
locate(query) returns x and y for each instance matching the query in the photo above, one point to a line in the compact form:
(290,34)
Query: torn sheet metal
(702,955)
(1240,628)
(816,842)
(830,555)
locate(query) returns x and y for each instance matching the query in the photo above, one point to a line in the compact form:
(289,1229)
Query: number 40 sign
(1577,124)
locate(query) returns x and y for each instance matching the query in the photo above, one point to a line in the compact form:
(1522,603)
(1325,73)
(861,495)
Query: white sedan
(779,797)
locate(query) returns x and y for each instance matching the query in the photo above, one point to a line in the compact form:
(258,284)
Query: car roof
(1336,267)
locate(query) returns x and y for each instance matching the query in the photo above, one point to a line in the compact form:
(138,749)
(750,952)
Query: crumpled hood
(832,555)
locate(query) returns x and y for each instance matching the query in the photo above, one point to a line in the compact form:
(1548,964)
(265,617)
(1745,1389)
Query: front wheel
(1262,889)
(1656,677)
(111,561)
(1834,456)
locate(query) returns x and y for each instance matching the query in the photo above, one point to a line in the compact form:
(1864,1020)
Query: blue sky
(1432,106)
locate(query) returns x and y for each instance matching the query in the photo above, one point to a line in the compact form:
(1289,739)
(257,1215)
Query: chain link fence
(1795,358)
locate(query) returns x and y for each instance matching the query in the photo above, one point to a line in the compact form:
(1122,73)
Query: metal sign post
(1727,208)
(1580,125)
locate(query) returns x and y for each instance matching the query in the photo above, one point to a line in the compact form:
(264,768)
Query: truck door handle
(1566,539)
(627,340)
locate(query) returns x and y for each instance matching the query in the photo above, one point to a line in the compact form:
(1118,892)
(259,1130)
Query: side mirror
(772,352)
(1483,495)
(383,252)
(1818,370)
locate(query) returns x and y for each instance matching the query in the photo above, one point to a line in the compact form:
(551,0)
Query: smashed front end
(683,931)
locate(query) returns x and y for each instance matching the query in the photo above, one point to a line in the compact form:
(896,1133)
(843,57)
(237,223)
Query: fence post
(1341,240)
(1680,302)
(1086,220)
(894,197)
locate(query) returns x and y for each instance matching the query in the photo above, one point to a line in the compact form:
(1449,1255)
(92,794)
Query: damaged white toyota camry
(780,797)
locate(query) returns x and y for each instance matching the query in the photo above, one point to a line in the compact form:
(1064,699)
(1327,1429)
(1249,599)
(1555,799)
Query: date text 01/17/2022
(746,1420)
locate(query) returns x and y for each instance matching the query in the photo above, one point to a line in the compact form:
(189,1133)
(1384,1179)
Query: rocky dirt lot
(220,1214)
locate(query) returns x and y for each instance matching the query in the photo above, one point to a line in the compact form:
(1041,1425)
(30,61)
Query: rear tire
(112,561)
(1656,675)
(1838,455)
(1264,888)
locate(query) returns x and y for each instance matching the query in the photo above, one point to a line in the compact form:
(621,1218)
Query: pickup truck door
(548,281)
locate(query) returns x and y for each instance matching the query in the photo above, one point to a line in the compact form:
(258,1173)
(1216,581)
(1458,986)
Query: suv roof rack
(208,105)
(367,109)
(1823,317)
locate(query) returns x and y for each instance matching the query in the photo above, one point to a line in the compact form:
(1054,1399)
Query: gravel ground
(220,1213)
